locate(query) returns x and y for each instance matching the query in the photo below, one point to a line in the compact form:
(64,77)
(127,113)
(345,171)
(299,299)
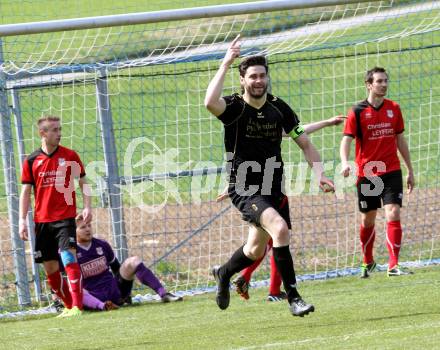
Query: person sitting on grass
(107,283)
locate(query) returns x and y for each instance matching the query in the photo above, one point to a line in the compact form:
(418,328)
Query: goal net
(142,86)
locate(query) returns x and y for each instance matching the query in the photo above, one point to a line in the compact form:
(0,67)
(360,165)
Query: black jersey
(254,136)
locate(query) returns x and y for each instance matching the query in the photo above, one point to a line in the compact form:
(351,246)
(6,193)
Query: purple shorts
(113,293)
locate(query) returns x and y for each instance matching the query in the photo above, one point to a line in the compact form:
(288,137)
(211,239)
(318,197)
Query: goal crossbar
(165,15)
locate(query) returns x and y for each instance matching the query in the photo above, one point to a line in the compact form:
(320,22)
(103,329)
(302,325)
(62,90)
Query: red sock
(275,278)
(75,281)
(60,287)
(248,271)
(394,239)
(367,235)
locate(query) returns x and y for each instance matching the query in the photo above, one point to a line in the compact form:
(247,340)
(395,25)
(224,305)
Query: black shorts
(251,207)
(52,237)
(392,192)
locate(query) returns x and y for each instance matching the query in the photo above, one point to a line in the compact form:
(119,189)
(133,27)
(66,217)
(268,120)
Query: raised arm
(402,146)
(312,127)
(213,100)
(25,200)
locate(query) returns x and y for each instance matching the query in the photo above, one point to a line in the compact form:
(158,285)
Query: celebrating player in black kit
(254,124)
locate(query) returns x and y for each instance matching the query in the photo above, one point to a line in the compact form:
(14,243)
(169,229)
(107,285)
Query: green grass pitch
(378,313)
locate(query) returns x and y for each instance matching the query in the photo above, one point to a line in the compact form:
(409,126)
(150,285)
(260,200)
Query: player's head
(84,233)
(49,129)
(376,81)
(254,76)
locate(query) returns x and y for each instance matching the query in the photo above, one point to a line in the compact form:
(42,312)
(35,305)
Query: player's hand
(345,170)
(23,229)
(87,215)
(326,184)
(337,120)
(410,182)
(222,195)
(109,305)
(233,51)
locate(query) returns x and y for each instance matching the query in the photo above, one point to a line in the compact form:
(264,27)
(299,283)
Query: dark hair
(252,61)
(369,75)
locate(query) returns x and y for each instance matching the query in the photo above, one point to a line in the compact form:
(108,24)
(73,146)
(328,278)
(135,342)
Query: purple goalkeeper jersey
(95,267)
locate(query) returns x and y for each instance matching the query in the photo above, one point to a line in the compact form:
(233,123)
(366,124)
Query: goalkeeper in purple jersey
(108,283)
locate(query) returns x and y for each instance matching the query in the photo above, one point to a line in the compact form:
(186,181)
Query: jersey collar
(85,246)
(257,109)
(375,108)
(49,155)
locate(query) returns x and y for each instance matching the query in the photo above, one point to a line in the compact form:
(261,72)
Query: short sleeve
(81,166)
(350,124)
(400,125)
(290,118)
(108,251)
(26,173)
(234,108)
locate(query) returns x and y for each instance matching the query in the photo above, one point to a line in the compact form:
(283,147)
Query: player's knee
(67,257)
(254,252)
(367,223)
(393,214)
(280,229)
(133,261)
(368,219)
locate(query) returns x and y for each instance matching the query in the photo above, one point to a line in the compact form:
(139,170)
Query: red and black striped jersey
(375,131)
(52,176)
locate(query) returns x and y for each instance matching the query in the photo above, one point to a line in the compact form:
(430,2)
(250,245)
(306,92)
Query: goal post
(131,101)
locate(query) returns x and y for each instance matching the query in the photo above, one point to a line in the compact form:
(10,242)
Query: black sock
(284,262)
(125,286)
(236,263)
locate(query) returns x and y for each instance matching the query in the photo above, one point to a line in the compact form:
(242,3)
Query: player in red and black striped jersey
(51,171)
(377,125)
